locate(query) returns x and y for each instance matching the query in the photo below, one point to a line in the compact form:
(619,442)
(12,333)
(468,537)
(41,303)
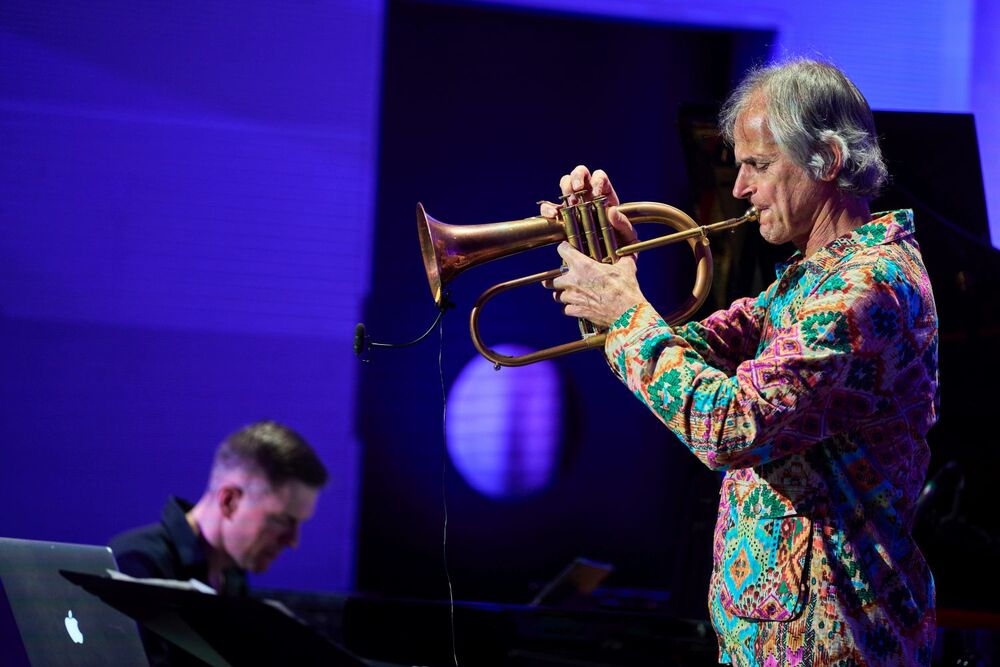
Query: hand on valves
(590,289)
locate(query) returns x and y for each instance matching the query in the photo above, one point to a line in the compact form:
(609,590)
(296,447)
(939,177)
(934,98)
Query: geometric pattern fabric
(815,398)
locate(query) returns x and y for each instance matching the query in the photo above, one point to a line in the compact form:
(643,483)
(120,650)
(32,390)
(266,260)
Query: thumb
(569,254)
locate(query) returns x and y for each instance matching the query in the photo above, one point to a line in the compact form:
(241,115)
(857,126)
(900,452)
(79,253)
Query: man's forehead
(752,120)
(752,136)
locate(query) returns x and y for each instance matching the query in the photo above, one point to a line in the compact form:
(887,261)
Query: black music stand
(219,630)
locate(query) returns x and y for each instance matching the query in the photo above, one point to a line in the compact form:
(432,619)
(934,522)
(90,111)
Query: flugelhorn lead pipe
(751,215)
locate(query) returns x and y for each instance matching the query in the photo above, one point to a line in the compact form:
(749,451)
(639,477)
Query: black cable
(444,494)
(363,342)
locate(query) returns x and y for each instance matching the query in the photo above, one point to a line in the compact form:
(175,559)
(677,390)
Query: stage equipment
(449,250)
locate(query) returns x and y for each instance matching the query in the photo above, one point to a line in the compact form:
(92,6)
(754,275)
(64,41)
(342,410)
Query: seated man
(264,484)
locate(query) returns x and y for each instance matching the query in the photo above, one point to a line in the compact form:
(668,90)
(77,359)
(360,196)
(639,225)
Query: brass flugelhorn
(448,250)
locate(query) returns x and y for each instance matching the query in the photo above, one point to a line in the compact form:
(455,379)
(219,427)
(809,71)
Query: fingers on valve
(566,185)
(580,178)
(601,187)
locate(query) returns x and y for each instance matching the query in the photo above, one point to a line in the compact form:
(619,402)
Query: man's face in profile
(788,198)
(265,520)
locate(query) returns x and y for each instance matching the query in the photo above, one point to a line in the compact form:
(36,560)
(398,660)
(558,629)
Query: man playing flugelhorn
(814,397)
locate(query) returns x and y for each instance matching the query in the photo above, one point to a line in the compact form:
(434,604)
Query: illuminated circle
(504,427)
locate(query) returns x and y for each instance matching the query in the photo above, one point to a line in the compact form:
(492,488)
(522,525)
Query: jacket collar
(885,227)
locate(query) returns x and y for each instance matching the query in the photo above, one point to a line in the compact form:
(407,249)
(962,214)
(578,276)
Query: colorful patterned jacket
(815,399)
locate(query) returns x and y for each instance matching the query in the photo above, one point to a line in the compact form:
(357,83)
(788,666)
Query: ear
(229,497)
(837,152)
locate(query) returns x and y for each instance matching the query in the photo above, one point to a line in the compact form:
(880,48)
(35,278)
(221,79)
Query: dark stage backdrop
(482,111)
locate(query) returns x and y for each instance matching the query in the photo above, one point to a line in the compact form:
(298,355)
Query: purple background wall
(184,196)
(186,201)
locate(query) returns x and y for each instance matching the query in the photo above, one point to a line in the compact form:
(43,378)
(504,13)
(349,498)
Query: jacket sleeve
(812,379)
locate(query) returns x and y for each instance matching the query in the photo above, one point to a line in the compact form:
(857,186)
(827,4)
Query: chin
(260,567)
(772,235)
(262,564)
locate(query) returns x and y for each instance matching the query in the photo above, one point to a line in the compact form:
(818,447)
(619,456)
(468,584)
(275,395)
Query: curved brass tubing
(450,249)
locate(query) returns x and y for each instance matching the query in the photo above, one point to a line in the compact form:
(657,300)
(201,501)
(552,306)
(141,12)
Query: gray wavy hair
(807,105)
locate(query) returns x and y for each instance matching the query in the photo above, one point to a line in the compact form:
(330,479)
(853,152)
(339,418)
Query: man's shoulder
(146,551)
(146,537)
(891,264)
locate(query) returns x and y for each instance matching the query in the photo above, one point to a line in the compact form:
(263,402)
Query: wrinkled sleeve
(806,384)
(726,337)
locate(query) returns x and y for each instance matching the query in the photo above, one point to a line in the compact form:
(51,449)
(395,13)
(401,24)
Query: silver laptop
(46,620)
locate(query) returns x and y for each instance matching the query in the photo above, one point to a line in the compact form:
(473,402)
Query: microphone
(362,343)
(360,339)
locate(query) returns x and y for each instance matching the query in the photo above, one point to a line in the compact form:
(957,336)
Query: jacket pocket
(763,567)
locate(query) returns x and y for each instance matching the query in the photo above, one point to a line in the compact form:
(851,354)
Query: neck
(206,525)
(838,215)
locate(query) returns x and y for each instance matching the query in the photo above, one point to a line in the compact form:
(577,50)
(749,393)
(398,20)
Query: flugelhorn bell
(450,249)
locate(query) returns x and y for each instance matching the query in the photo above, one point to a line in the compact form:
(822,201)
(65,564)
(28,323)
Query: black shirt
(170,549)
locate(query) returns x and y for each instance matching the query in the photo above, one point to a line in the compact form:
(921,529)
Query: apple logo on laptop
(73,628)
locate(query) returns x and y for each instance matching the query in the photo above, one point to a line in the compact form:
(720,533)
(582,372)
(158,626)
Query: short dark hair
(275,451)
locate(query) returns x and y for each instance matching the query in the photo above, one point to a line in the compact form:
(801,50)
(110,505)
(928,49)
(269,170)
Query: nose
(742,188)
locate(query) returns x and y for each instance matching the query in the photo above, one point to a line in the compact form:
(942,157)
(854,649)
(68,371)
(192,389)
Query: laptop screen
(47,620)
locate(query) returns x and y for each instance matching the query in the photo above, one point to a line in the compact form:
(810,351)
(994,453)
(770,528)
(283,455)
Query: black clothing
(166,550)
(169,550)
